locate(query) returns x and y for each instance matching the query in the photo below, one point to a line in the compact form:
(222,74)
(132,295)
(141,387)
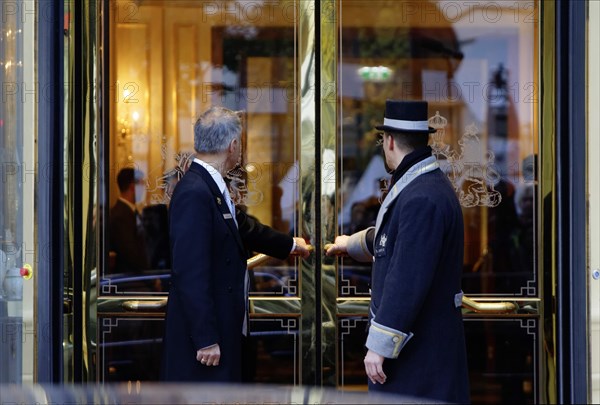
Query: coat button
(396,339)
(229,289)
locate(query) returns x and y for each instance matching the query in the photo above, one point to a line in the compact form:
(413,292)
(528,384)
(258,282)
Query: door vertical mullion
(50,197)
(326,150)
(307,107)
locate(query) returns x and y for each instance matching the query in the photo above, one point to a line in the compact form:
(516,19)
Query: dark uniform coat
(126,239)
(416,319)
(207,300)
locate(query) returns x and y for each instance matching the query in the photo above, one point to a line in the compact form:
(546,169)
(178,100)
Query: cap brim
(404,131)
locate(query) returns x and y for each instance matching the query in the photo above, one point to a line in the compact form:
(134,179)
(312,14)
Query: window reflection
(352,334)
(130,349)
(502,357)
(170,60)
(14,221)
(480,82)
(271,353)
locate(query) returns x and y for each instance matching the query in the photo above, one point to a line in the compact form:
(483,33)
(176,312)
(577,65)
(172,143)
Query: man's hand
(209,356)
(339,246)
(301,249)
(374,367)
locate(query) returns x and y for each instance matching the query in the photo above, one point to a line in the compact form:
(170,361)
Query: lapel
(219,201)
(422,167)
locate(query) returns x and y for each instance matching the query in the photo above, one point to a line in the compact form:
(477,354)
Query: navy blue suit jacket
(207,298)
(125,241)
(417,272)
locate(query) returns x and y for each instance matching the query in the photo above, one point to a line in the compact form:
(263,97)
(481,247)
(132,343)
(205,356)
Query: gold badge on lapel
(219,200)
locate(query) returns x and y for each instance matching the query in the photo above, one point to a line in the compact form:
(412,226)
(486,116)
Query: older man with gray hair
(207,310)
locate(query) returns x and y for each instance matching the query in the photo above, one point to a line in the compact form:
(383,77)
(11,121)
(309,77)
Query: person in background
(416,341)
(126,231)
(207,311)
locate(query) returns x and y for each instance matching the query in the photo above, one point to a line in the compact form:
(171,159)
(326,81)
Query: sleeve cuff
(386,341)
(357,247)
(293,245)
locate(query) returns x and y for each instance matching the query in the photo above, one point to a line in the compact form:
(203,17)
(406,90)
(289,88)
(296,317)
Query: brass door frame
(301,307)
(81,135)
(539,307)
(318,344)
(327,129)
(546,204)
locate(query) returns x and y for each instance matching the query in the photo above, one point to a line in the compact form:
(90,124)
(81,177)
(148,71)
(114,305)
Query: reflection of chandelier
(247,31)
(124,138)
(378,74)
(124,131)
(128,127)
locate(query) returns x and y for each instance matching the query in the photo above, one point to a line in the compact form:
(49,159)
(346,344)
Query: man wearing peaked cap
(416,342)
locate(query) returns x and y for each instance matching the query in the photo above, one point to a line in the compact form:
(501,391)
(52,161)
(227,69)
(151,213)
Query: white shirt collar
(214,173)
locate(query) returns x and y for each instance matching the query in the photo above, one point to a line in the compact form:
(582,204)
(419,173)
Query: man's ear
(391,143)
(232,145)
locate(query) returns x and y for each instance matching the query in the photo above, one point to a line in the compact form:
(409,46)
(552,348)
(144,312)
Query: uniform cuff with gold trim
(385,341)
(357,247)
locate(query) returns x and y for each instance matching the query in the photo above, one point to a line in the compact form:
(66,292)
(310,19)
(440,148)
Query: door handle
(140,305)
(146,305)
(502,307)
(155,305)
(256,260)
(260,258)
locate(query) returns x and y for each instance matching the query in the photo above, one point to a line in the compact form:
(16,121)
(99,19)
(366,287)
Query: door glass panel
(479,78)
(502,359)
(17,182)
(272,353)
(130,348)
(352,335)
(501,354)
(476,65)
(169,61)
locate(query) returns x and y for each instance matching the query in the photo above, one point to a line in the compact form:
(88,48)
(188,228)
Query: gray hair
(215,129)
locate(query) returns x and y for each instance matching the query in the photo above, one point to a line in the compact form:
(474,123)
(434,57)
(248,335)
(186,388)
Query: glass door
(18,176)
(477,66)
(312,78)
(166,62)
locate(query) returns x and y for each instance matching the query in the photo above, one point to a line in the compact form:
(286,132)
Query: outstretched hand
(339,247)
(302,249)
